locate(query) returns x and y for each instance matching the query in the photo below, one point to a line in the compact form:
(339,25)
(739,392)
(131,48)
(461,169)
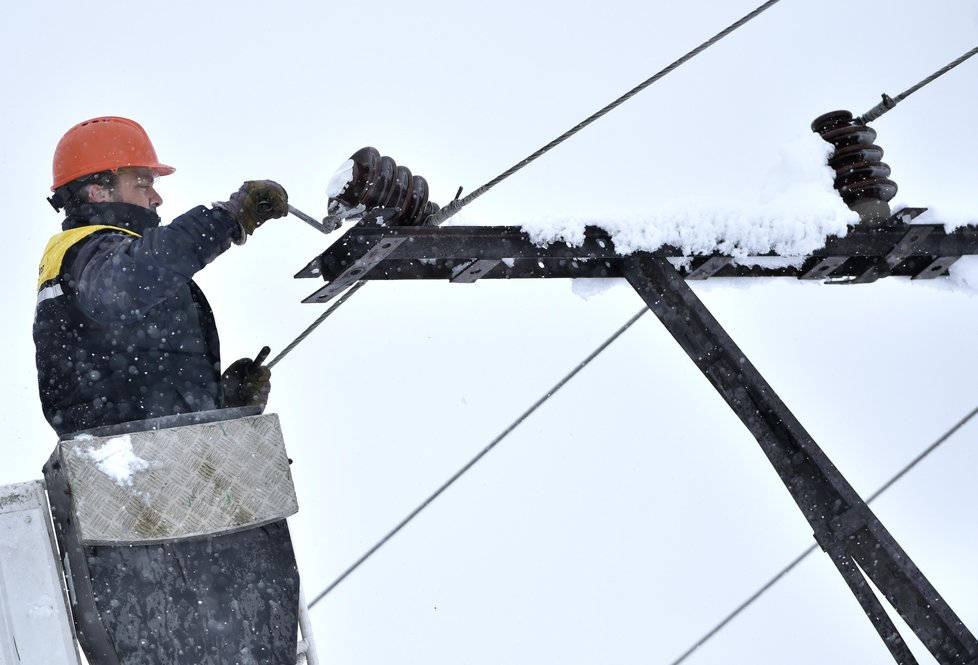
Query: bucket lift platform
(35,620)
(173,544)
(844,526)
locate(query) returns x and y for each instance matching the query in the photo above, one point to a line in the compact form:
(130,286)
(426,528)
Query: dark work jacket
(121,331)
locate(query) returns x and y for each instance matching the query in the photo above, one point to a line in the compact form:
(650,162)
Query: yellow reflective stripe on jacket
(59,245)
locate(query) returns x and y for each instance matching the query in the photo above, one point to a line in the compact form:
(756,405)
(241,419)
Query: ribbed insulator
(860,177)
(378,182)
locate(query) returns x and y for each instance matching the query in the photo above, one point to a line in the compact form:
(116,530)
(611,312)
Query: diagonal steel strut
(855,540)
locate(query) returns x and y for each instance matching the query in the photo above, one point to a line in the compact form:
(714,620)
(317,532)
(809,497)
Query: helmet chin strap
(68,193)
(63,196)
(56,202)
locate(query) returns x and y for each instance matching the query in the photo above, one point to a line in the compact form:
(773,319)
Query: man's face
(135,186)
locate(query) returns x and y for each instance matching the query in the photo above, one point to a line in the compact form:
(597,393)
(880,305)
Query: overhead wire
(889,102)
(543,399)
(797,560)
(449,210)
(315,324)
(482,453)
(456,205)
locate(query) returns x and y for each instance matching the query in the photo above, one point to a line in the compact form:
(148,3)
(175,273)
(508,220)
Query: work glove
(247,382)
(255,202)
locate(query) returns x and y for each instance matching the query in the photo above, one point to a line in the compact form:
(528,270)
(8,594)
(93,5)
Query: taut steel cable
(787,569)
(889,102)
(482,453)
(458,204)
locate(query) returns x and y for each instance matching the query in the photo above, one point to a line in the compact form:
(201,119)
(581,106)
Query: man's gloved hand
(256,202)
(247,382)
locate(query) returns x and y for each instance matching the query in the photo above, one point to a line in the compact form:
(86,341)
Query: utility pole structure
(844,526)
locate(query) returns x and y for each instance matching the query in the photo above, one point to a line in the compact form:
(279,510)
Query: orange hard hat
(103,144)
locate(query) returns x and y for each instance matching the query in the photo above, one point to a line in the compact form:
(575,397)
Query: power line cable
(784,571)
(315,324)
(526,414)
(446,212)
(482,453)
(456,205)
(889,102)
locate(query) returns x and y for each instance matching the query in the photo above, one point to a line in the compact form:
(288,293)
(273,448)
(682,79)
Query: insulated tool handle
(260,358)
(311,221)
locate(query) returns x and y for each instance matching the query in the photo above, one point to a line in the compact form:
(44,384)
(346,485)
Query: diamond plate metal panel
(181,482)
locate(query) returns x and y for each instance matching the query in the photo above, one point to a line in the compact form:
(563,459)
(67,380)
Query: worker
(123,334)
(121,331)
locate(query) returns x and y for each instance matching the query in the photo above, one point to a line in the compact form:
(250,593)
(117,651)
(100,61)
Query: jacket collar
(124,215)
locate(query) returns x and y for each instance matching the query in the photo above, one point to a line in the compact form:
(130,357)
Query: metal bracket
(470,272)
(357,270)
(824,268)
(903,249)
(906,215)
(709,267)
(936,268)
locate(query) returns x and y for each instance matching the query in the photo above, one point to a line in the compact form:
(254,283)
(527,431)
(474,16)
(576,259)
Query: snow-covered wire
(482,453)
(787,569)
(458,204)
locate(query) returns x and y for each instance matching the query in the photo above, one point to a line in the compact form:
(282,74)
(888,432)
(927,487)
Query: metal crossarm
(844,526)
(467,253)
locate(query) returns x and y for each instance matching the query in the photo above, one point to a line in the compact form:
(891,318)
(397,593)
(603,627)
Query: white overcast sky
(633,511)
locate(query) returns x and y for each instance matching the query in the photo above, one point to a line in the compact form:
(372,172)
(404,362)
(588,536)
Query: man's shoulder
(59,245)
(73,235)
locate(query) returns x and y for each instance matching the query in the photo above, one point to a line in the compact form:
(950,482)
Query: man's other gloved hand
(256,202)
(247,382)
